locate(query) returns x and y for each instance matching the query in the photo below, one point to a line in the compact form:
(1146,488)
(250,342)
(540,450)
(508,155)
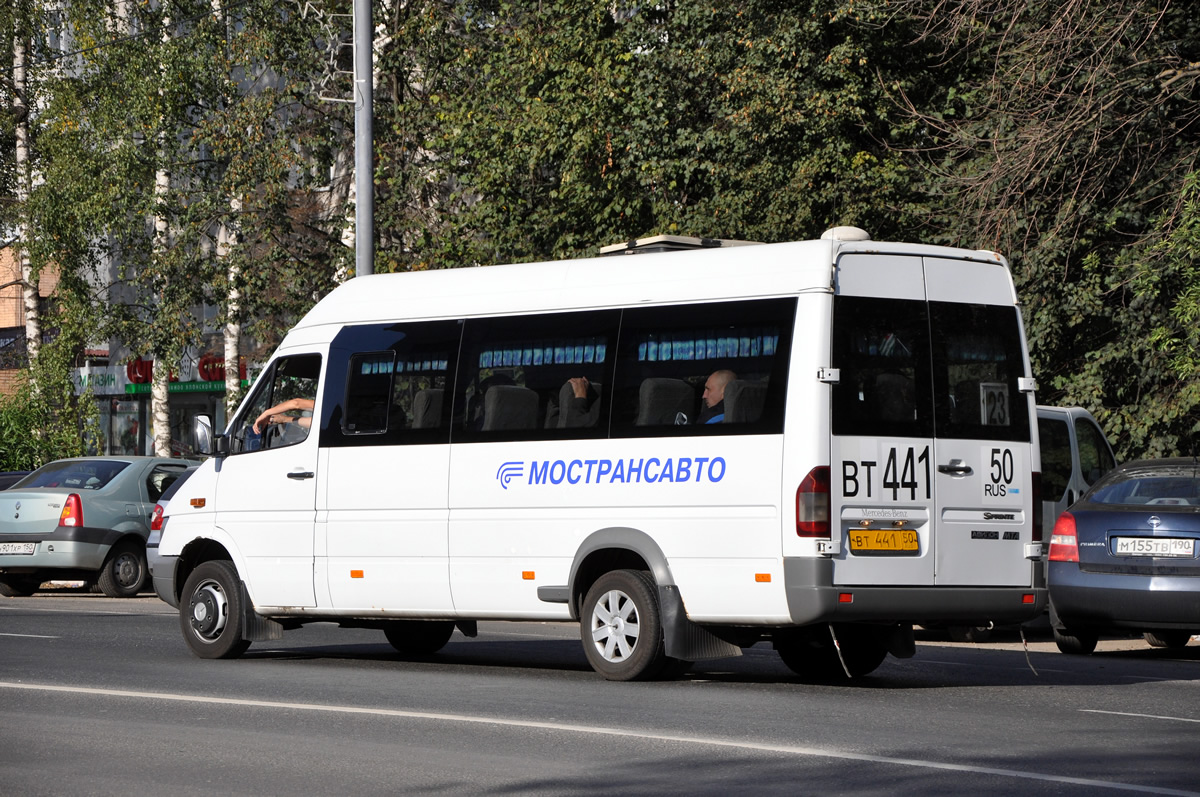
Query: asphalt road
(101,696)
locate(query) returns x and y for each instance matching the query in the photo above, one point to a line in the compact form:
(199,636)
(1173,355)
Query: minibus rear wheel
(809,652)
(210,613)
(418,637)
(621,627)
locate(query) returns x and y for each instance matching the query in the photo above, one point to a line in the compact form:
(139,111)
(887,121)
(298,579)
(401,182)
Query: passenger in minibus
(713,410)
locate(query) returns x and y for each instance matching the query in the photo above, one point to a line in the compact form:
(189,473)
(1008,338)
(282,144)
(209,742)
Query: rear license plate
(1155,546)
(18,548)
(883,541)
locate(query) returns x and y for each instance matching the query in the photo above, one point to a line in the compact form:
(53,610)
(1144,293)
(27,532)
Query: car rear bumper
(67,548)
(1118,600)
(813,598)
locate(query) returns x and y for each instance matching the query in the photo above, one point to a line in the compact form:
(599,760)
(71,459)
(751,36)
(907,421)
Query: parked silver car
(82,519)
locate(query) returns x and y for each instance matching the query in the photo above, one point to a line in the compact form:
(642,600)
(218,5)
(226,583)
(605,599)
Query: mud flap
(255,627)
(683,639)
(900,641)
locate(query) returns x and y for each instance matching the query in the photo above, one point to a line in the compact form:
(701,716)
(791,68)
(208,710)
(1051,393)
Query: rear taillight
(156,518)
(1063,546)
(1037,507)
(72,512)
(812,504)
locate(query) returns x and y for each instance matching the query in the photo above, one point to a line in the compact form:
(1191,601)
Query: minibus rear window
(977,360)
(881,348)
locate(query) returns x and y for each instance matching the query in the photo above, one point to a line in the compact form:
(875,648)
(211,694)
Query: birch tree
(22,22)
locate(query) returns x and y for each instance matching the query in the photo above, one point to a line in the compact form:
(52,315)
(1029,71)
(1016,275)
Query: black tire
(210,612)
(674,668)
(969,633)
(15,587)
(418,637)
(1167,639)
(810,652)
(1075,642)
(124,572)
(621,627)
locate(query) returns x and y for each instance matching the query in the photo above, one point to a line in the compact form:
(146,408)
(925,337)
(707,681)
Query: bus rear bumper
(813,598)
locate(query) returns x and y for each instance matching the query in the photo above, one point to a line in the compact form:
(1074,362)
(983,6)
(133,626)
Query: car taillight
(1063,546)
(72,512)
(1037,507)
(156,518)
(812,504)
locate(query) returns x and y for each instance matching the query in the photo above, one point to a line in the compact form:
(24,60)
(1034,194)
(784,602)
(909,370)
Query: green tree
(549,130)
(1063,140)
(44,420)
(191,135)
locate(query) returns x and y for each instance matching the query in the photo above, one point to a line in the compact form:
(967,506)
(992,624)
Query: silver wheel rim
(209,611)
(615,626)
(127,569)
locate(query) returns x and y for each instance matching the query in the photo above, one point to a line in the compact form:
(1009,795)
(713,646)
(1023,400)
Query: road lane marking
(32,636)
(1130,714)
(171,613)
(763,747)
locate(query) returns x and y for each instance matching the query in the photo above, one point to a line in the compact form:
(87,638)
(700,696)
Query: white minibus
(813,444)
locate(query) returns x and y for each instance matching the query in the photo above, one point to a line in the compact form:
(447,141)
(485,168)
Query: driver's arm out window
(282,406)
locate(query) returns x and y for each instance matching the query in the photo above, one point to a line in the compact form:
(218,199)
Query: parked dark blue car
(1125,557)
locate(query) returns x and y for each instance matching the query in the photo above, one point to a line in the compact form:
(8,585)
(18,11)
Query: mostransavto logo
(645,470)
(509,471)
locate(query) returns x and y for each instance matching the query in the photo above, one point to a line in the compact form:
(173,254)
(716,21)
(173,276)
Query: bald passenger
(713,410)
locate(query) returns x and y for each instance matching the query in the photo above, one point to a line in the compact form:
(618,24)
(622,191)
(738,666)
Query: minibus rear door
(982,450)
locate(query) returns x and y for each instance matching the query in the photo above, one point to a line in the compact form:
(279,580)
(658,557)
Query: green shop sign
(133,389)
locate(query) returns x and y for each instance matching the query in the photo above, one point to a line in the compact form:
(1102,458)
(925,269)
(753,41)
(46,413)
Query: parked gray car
(82,519)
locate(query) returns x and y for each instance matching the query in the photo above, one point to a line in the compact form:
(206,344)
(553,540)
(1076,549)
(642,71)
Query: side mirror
(202,434)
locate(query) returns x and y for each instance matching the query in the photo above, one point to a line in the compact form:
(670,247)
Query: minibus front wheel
(621,626)
(210,613)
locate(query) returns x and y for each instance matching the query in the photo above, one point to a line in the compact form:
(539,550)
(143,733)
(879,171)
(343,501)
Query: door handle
(956,468)
(301,475)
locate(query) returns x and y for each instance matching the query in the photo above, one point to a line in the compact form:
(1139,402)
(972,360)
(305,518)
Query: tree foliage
(1064,135)
(1064,142)
(561,126)
(43,419)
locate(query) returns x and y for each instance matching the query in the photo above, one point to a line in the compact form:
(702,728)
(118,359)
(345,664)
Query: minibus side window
(285,399)
(396,385)
(881,348)
(535,377)
(369,393)
(668,356)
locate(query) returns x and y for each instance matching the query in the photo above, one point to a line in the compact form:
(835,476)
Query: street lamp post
(364,160)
